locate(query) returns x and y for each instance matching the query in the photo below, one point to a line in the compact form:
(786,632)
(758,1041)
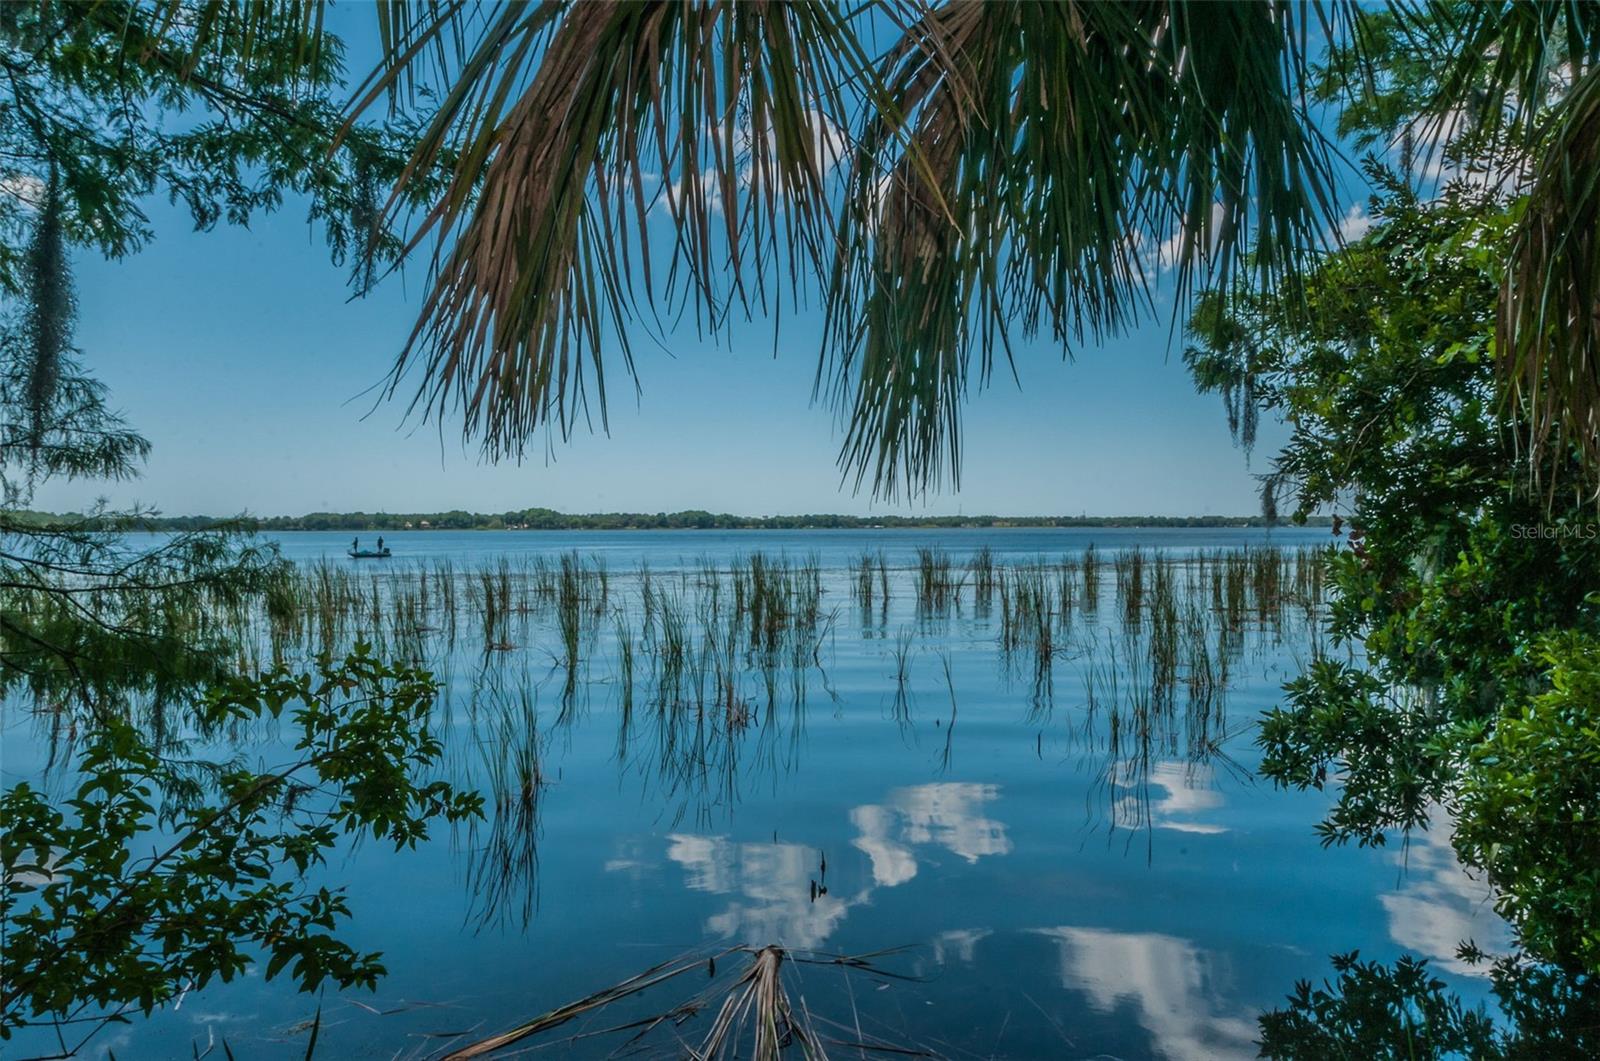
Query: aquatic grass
(946,756)
(686,655)
(1029,623)
(569,619)
(691,651)
(490,598)
(904,638)
(981,572)
(1164,633)
(866,577)
(1066,592)
(502,872)
(936,588)
(624,642)
(1128,566)
(1091,579)
(667,639)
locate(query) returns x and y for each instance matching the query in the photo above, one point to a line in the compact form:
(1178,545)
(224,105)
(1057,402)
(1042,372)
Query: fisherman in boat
(380,543)
(355,544)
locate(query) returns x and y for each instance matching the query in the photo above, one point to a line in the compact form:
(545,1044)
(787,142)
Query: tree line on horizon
(545,519)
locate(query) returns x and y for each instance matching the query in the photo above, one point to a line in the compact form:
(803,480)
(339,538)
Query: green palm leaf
(1013,162)
(1041,162)
(575,125)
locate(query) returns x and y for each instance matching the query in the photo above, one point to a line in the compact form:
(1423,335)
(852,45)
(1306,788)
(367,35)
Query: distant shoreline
(690,519)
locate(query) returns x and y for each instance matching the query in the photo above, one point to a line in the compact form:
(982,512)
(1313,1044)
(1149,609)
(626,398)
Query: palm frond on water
(555,1018)
(753,1013)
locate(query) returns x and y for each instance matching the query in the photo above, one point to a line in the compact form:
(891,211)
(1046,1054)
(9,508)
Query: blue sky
(240,356)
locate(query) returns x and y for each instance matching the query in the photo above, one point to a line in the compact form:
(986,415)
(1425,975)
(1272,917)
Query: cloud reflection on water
(771,883)
(1437,906)
(1191,793)
(947,814)
(1176,988)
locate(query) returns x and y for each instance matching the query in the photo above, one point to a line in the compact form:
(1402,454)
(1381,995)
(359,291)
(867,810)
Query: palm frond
(1549,319)
(1040,163)
(578,129)
(268,36)
(1503,62)
(1017,167)
(1525,76)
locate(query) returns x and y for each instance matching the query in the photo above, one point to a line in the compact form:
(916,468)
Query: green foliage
(60,428)
(93,926)
(1529,808)
(1465,594)
(1455,568)
(224,108)
(1388,768)
(94,624)
(1510,94)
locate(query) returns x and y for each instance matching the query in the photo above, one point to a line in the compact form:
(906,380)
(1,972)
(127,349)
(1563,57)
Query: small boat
(369,554)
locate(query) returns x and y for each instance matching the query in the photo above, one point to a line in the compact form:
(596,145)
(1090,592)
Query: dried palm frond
(1524,76)
(758,997)
(753,1013)
(1549,319)
(652,976)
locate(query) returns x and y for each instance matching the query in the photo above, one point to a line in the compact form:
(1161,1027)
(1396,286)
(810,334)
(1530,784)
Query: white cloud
(23,187)
(1355,223)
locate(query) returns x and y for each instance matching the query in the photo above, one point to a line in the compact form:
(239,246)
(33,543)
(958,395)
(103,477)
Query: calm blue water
(835,548)
(1050,890)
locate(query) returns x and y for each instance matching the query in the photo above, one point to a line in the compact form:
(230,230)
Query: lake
(1021,788)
